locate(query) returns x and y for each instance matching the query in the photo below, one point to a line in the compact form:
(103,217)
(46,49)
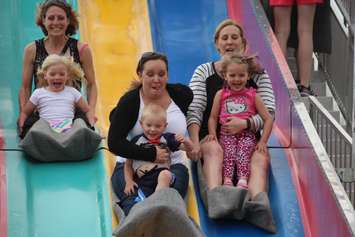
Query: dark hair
(147,56)
(71,14)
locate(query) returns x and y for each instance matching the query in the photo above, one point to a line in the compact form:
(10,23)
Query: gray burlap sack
(44,144)
(161,214)
(258,212)
(225,202)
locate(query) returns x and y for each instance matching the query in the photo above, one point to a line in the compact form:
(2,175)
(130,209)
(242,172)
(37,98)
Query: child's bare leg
(164,179)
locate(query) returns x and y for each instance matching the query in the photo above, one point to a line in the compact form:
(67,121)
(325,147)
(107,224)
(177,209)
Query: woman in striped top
(205,82)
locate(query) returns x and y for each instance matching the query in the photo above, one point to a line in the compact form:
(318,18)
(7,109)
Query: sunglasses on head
(147,56)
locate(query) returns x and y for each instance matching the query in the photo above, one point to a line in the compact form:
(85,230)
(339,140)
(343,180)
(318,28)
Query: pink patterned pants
(237,151)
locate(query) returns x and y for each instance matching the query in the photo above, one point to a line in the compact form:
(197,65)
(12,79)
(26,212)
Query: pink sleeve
(251,92)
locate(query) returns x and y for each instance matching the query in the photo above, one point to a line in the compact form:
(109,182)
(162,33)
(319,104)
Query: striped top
(205,83)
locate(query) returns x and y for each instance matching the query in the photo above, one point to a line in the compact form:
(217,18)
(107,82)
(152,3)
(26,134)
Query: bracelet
(248,124)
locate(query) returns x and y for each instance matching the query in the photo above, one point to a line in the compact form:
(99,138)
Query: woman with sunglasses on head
(58,22)
(150,88)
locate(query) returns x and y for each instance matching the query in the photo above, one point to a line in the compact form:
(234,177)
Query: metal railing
(347,8)
(353,125)
(338,66)
(337,143)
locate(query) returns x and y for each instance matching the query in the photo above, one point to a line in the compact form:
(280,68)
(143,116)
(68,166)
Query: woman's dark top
(125,115)
(42,54)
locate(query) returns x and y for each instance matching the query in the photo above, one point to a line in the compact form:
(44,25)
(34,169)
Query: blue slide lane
(44,199)
(184,31)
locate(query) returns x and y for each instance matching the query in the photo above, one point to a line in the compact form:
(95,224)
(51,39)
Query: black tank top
(41,55)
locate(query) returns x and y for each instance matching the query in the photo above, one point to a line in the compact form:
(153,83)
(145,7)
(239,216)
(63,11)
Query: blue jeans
(127,201)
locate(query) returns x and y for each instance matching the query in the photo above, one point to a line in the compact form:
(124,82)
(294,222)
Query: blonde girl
(56,99)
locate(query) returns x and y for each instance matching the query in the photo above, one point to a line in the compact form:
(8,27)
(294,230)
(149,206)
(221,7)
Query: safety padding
(225,202)
(44,144)
(161,214)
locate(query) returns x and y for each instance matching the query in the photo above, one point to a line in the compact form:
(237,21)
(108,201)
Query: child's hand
(261,147)
(180,138)
(129,188)
(211,137)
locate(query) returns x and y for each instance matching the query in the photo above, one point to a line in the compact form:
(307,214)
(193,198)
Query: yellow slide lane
(118,31)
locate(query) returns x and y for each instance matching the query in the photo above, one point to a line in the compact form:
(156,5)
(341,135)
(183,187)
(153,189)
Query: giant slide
(74,199)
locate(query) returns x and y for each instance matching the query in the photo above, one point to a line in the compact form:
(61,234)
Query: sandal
(242,184)
(228,182)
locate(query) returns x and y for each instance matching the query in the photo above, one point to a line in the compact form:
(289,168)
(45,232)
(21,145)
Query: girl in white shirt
(56,99)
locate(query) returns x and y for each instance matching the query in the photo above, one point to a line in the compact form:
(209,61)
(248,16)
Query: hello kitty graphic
(235,106)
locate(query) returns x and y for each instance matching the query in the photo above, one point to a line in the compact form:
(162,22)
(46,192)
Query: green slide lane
(56,199)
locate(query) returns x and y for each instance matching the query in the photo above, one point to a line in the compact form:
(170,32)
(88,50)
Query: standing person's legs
(282,17)
(305,20)
(259,170)
(229,147)
(212,154)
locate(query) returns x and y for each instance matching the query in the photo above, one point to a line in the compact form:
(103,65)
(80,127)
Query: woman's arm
(213,119)
(83,106)
(26,111)
(27,70)
(194,130)
(268,122)
(266,93)
(88,68)
(199,101)
(197,107)
(122,120)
